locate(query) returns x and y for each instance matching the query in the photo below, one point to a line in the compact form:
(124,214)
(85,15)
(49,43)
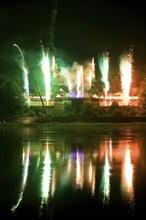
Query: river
(80,173)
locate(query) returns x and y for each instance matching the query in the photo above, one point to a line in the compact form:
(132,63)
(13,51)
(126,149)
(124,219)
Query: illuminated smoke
(66,74)
(25,75)
(104,67)
(88,80)
(78,78)
(89,74)
(74,80)
(126,75)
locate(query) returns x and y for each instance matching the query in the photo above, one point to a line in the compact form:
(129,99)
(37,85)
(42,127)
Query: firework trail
(25,75)
(52,26)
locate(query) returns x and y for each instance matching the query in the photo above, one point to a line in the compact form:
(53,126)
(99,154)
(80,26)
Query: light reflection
(106,180)
(39,153)
(46,178)
(25,163)
(53,184)
(23,156)
(127,178)
(128,170)
(110,150)
(79,169)
(69,165)
(92,172)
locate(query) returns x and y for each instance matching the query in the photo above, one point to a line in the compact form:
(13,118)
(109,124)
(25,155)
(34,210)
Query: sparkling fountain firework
(104,67)
(25,75)
(126,75)
(80,82)
(47,73)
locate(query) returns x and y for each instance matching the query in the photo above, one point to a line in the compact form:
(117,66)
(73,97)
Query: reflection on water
(46,177)
(79,169)
(92,172)
(106,180)
(104,167)
(127,178)
(25,164)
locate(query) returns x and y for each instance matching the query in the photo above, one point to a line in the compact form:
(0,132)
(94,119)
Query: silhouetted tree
(12,101)
(142,97)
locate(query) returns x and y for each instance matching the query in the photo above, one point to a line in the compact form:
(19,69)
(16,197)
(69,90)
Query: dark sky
(79,29)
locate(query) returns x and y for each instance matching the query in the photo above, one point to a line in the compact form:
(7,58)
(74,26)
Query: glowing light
(26,85)
(79,78)
(126,75)
(25,162)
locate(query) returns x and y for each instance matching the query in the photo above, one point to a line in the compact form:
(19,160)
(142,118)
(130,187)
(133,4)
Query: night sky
(77,30)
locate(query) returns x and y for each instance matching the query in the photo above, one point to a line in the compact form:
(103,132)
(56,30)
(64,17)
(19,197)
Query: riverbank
(67,123)
(87,119)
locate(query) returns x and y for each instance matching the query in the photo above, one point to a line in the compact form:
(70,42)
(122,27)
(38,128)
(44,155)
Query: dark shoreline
(71,122)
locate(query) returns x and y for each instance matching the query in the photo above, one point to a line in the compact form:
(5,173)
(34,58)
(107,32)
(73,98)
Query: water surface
(79,173)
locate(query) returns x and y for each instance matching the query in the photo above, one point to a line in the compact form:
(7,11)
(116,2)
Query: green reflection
(46,178)
(25,163)
(106,180)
